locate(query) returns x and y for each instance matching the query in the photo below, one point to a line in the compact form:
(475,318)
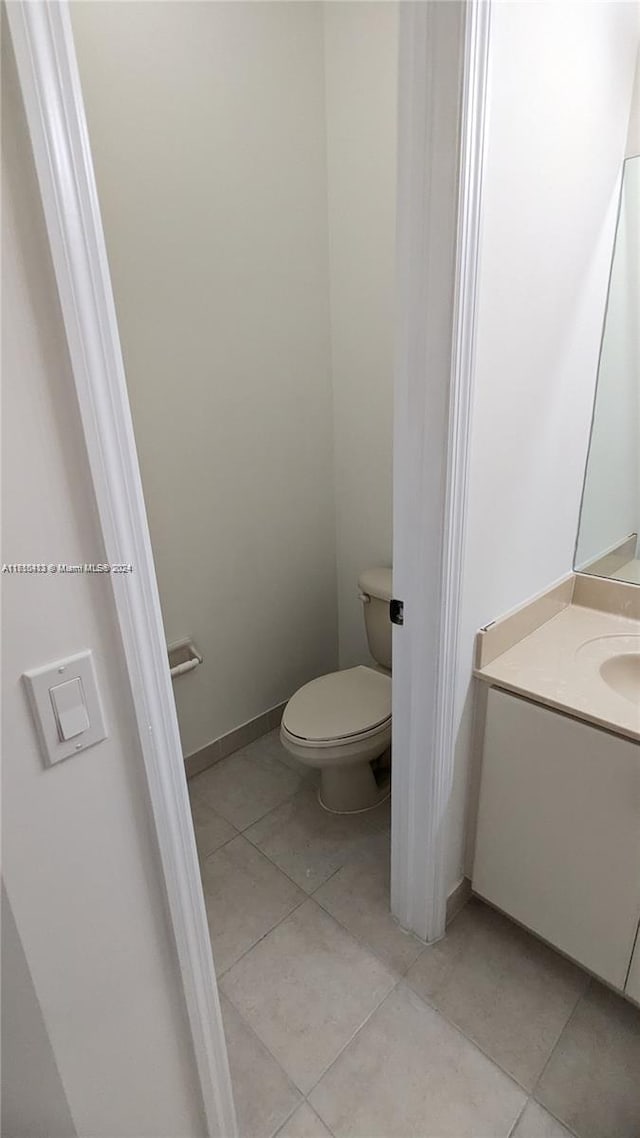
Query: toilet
(341,722)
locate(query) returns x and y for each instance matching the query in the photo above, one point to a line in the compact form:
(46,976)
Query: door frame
(444,74)
(443,78)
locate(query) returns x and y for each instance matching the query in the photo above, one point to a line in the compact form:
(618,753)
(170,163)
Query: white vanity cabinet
(558,839)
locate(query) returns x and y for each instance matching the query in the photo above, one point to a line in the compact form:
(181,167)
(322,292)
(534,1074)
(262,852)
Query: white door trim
(444,52)
(45,56)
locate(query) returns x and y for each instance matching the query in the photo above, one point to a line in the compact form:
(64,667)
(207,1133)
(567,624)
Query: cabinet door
(633,982)
(558,842)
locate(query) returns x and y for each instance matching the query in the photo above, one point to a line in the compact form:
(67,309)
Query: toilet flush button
(66,706)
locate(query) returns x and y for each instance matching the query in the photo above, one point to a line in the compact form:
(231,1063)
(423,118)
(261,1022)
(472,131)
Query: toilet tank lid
(376,583)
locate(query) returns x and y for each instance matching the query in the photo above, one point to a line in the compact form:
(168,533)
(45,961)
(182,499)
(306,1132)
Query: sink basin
(616,659)
(622,674)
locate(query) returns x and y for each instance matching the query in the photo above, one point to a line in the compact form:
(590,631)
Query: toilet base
(351,789)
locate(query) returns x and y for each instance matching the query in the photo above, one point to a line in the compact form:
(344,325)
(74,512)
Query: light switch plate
(39,682)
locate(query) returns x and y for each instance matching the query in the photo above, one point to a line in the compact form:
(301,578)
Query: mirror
(607,544)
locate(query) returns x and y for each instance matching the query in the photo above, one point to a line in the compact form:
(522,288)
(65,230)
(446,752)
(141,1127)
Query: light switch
(69,708)
(66,706)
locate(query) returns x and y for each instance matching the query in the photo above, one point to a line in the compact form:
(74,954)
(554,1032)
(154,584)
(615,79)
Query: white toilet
(341,722)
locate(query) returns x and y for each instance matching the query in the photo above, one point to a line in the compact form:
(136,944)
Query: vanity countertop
(581,659)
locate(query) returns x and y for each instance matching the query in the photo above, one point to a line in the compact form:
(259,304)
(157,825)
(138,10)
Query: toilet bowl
(341,722)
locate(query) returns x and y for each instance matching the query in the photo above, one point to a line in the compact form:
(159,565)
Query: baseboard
(458,898)
(241,736)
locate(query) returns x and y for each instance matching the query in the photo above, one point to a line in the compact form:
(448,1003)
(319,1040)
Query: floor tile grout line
(227,841)
(266,858)
(236,754)
(308,896)
(241,830)
(535,1102)
(305,1096)
(301,775)
(284,872)
(401,976)
(566,1126)
(225,971)
(401,980)
(325,1124)
(311,897)
(243,833)
(303,1101)
(396,981)
(587,987)
(399,984)
(394,973)
(263,854)
(363,943)
(352,1037)
(517,1121)
(396,976)
(469,1038)
(529,1091)
(572,1013)
(305,898)
(555,1118)
(327,880)
(301,1097)
(305,784)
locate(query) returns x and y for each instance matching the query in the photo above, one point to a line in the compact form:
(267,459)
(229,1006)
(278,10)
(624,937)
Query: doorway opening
(47,63)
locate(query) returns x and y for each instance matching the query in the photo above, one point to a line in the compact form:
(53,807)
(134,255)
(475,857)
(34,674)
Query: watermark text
(53,568)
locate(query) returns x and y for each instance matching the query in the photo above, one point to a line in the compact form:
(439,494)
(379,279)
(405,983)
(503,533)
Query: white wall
(560,89)
(207,124)
(611,503)
(245,160)
(33,1098)
(80,863)
(361,49)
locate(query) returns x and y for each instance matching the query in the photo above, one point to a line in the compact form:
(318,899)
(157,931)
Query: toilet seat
(346,706)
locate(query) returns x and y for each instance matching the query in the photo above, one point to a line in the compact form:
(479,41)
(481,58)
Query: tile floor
(340,1025)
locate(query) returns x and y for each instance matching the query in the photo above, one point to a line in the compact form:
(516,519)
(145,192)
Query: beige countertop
(565,662)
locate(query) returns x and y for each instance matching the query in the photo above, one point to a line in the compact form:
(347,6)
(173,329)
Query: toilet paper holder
(183,657)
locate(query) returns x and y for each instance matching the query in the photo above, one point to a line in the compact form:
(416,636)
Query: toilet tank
(375,592)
